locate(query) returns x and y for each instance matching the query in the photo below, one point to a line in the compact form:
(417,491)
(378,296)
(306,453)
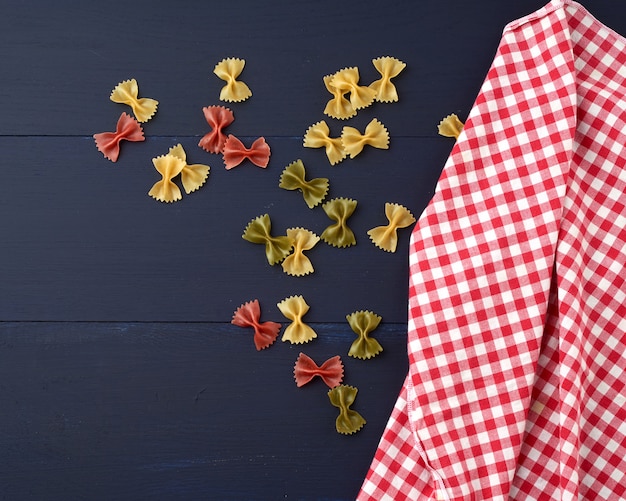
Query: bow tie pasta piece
(228,70)
(386,237)
(248,315)
(297,332)
(293,178)
(317,136)
(362,323)
(306,369)
(126,93)
(338,107)
(235,152)
(347,80)
(450,126)
(193,176)
(297,264)
(375,135)
(169,166)
(127,129)
(258,232)
(339,210)
(388,67)
(349,421)
(218,118)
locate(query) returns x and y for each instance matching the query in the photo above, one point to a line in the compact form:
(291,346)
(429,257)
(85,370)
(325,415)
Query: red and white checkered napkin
(517,296)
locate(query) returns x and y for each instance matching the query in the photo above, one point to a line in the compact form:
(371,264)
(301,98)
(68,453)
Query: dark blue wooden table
(121,376)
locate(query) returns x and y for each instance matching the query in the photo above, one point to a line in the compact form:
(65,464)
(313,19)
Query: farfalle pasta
(169,166)
(375,135)
(192,176)
(388,67)
(297,332)
(293,178)
(386,237)
(347,80)
(305,369)
(450,126)
(338,107)
(258,232)
(218,118)
(349,421)
(229,70)
(126,92)
(317,136)
(362,323)
(235,152)
(339,210)
(127,129)
(297,264)
(249,315)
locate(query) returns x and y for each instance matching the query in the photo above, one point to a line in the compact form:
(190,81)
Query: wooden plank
(182,411)
(60,63)
(88,243)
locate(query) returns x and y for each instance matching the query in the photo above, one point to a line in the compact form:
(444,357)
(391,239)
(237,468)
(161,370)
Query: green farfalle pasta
(258,232)
(386,237)
(339,210)
(297,332)
(296,263)
(293,178)
(349,421)
(362,323)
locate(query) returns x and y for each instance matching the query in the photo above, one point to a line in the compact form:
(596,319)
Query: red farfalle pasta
(235,152)
(128,129)
(218,117)
(330,371)
(248,315)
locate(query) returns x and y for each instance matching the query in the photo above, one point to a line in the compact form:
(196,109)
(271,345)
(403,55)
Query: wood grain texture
(182,411)
(120,374)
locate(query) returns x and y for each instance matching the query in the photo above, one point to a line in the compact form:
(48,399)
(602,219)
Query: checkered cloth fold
(517,294)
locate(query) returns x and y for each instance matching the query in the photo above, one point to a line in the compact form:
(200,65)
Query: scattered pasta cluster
(344,83)
(348,96)
(128,128)
(331,372)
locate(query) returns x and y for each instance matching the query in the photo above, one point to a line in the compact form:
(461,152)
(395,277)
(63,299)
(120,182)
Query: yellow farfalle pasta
(228,70)
(388,67)
(349,421)
(169,166)
(362,323)
(386,237)
(338,107)
(317,136)
(297,264)
(258,232)
(193,176)
(293,178)
(126,92)
(347,80)
(339,210)
(450,126)
(297,332)
(375,135)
